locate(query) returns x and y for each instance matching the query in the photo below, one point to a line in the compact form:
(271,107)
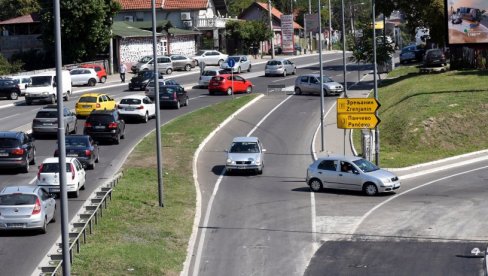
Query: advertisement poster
(287,38)
(312,23)
(467,21)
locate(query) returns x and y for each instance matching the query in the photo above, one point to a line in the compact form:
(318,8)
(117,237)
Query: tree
(11,9)
(246,34)
(85,27)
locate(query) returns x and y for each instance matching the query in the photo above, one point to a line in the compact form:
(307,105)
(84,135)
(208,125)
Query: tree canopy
(11,9)
(246,34)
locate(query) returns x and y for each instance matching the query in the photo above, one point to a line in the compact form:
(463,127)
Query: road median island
(135,236)
(430,117)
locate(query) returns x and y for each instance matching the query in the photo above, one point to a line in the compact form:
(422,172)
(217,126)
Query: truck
(43,87)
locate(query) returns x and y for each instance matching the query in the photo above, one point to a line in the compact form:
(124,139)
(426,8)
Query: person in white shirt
(122,70)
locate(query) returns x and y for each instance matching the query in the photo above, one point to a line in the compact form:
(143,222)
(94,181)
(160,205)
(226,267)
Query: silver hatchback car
(280,66)
(310,84)
(245,153)
(350,173)
(26,207)
(241,63)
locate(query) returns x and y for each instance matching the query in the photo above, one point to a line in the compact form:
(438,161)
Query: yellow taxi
(93,101)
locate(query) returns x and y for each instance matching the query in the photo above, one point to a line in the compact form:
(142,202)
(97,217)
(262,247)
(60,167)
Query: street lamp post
(272,31)
(321,82)
(375,72)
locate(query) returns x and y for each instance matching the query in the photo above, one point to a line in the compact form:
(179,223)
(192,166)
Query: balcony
(213,23)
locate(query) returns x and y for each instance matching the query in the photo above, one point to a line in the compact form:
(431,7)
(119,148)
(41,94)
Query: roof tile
(166,4)
(139,4)
(276,13)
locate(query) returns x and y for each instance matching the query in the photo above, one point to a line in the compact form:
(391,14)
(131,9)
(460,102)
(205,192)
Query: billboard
(467,21)
(311,23)
(287,35)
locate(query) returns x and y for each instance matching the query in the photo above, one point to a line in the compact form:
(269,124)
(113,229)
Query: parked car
(141,80)
(280,66)
(48,175)
(105,124)
(22,81)
(350,173)
(46,121)
(26,207)
(310,84)
(245,153)
(93,101)
(173,95)
(136,106)
(241,63)
(411,53)
(17,150)
(84,76)
(208,74)
(210,57)
(9,88)
(82,147)
(181,62)
(101,72)
(150,91)
(434,58)
(277,49)
(146,63)
(229,84)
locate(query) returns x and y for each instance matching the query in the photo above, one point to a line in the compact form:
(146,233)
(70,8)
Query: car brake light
(37,207)
(88,152)
(140,107)
(72,168)
(39,172)
(88,124)
(98,105)
(18,151)
(112,125)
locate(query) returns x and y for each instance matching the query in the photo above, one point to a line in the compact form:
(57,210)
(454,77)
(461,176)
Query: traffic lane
(261,224)
(395,258)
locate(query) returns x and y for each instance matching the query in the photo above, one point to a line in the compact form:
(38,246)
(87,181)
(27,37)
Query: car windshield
(209,73)
(18,199)
(199,53)
(244,147)
(145,59)
(167,90)
(100,118)
(365,165)
(236,59)
(435,54)
(41,80)
(76,142)
(53,167)
(130,101)
(145,74)
(9,143)
(88,100)
(273,62)
(47,114)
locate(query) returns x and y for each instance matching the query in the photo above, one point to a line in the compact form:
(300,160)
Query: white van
(43,87)
(146,63)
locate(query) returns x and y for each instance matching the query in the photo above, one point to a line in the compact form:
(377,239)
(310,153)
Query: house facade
(20,34)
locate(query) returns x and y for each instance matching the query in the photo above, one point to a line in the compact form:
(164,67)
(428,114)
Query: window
(304,79)
(103,98)
(88,99)
(314,80)
(328,165)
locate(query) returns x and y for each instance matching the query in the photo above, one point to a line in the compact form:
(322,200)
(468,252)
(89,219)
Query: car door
(303,84)
(149,105)
(244,63)
(214,57)
(69,119)
(314,85)
(327,172)
(238,83)
(349,177)
(75,76)
(80,171)
(48,203)
(178,62)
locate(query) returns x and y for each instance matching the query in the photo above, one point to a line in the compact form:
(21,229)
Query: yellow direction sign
(349,120)
(357,105)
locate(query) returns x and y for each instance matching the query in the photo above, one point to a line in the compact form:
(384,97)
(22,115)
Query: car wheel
(13,95)
(66,98)
(266,75)
(33,161)
(117,139)
(370,189)
(146,118)
(169,71)
(122,135)
(44,227)
(249,90)
(249,69)
(74,128)
(187,67)
(187,101)
(228,171)
(211,92)
(53,99)
(103,79)
(238,70)
(98,157)
(315,185)
(284,72)
(91,166)
(76,194)
(25,169)
(92,82)
(294,71)
(178,105)
(229,91)
(54,215)
(221,62)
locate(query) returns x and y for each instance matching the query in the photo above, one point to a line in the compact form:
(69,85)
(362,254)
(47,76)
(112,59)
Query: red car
(223,83)
(102,74)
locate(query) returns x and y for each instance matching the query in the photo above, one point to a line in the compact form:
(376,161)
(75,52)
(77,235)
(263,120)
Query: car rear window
(53,167)
(88,99)
(435,54)
(76,142)
(167,90)
(7,82)
(209,73)
(130,101)
(47,114)
(9,143)
(102,118)
(273,62)
(17,199)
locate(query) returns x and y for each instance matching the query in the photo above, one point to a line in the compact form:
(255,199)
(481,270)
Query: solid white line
(408,191)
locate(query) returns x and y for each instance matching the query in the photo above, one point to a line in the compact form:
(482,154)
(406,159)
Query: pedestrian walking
(122,70)
(202,66)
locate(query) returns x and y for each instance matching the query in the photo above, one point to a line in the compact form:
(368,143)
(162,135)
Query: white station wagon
(48,175)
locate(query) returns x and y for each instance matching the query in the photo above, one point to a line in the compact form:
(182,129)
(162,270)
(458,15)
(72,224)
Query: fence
(93,210)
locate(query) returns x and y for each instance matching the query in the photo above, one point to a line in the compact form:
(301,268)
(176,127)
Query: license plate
(99,127)
(72,154)
(3,154)
(87,106)
(48,124)
(130,109)
(165,97)
(15,225)
(54,190)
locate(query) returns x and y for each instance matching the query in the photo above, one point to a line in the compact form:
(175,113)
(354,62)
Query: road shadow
(341,192)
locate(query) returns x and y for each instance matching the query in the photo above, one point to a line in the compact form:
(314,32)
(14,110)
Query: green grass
(425,117)
(135,236)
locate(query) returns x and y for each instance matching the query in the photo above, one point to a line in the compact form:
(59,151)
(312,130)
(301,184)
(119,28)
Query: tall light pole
(272,31)
(159,154)
(344,62)
(309,33)
(321,81)
(375,72)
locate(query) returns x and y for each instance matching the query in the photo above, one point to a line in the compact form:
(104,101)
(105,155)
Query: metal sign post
(231,64)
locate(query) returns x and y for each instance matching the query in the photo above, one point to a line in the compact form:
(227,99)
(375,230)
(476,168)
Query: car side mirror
(84,165)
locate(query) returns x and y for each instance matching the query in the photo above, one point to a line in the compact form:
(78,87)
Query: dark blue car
(83,147)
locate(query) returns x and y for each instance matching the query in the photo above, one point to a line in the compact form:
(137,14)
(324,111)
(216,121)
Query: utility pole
(309,33)
(321,82)
(375,72)
(272,31)
(329,45)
